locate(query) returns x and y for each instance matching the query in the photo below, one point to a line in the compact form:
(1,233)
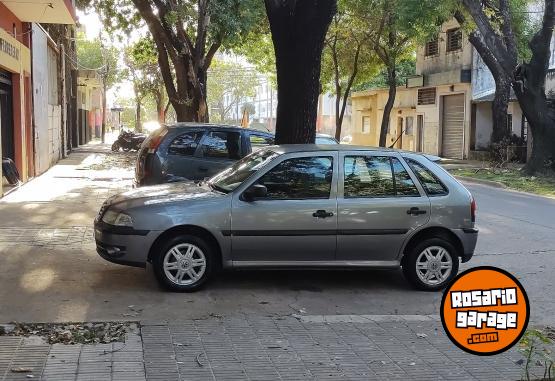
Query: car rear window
(432,185)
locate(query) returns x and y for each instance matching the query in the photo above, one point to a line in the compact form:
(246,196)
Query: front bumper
(469,238)
(124,246)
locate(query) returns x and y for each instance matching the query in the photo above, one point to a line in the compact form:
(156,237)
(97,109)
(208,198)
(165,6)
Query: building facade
(446,109)
(33,106)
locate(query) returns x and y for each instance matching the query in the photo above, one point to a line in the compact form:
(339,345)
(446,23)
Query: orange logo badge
(485,311)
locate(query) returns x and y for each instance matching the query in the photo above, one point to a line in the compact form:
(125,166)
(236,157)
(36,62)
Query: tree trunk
(298,31)
(103,132)
(338,117)
(183,66)
(392,80)
(500,110)
(541,120)
(138,126)
(160,110)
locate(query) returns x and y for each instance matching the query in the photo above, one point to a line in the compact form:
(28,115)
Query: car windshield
(232,177)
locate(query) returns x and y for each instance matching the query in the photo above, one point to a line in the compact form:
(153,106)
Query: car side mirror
(254,192)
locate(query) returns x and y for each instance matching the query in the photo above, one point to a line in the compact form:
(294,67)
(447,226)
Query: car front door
(297,221)
(379,203)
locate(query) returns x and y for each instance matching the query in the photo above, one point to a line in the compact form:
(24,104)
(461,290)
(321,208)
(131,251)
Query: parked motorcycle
(128,140)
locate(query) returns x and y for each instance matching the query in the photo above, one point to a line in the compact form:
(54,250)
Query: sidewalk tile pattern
(343,347)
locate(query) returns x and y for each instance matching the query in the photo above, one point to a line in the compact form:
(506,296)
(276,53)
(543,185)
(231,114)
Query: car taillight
(473,209)
(155,141)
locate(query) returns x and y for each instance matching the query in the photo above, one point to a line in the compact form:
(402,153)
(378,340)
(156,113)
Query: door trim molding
(305,233)
(309,264)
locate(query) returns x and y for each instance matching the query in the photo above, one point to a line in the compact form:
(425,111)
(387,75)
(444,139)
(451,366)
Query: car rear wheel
(184,263)
(431,265)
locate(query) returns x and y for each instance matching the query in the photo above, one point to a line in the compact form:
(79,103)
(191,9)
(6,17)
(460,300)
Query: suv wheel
(184,263)
(431,265)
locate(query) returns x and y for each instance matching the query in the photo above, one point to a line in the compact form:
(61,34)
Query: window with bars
(454,40)
(427,96)
(432,48)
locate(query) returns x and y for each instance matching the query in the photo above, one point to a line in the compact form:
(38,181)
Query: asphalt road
(42,281)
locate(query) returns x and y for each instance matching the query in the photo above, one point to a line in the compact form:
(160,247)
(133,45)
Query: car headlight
(117,218)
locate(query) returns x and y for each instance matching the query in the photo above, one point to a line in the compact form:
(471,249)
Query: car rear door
(297,222)
(379,203)
(219,149)
(182,154)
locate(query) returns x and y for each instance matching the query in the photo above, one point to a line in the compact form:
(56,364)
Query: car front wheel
(431,265)
(184,263)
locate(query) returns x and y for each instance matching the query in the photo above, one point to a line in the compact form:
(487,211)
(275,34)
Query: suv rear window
(432,185)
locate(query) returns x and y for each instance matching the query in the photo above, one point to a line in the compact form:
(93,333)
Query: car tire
(431,265)
(178,263)
(115,147)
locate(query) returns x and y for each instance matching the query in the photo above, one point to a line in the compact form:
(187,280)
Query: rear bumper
(127,246)
(469,238)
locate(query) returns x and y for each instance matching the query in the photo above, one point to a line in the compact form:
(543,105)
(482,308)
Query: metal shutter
(453,126)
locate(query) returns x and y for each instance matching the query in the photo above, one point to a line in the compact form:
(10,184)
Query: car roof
(183,125)
(295,148)
(292,148)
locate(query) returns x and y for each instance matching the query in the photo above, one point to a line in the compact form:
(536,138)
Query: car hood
(162,194)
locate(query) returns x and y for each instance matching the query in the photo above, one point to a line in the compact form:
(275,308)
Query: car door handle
(322,214)
(416,211)
(203,169)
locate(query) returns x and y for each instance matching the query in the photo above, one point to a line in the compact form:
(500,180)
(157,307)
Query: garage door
(453,126)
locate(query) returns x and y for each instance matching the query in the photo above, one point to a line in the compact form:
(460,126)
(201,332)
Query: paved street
(50,272)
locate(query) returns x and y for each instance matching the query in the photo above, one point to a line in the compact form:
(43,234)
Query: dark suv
(189,151)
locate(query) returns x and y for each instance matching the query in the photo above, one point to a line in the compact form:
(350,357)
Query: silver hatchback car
(297,206)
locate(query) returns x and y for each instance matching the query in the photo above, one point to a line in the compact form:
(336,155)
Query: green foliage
(142,63)
(347,35)
(257,47)
(229,84)
(537,348)
(99,55)
(405,69)
(229,20)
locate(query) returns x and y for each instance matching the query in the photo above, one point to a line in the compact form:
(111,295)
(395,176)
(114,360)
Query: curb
(490,183)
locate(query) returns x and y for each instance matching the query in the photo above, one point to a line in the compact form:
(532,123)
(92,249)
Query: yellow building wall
(371,104)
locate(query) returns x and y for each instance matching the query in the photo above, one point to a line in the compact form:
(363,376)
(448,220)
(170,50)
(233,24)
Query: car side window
(368,176)
(222,145)
(404,186)
(299,179)
(185,144)
(260,141)
(432,185)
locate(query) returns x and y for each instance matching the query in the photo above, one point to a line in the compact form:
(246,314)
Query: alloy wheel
(184,264)
(434,265)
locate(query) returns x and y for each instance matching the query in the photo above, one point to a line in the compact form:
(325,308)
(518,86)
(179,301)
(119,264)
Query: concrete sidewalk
(348,347)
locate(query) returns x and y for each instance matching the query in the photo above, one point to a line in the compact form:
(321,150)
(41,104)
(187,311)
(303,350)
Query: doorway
(6,115)
(420,133)
(400,131)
